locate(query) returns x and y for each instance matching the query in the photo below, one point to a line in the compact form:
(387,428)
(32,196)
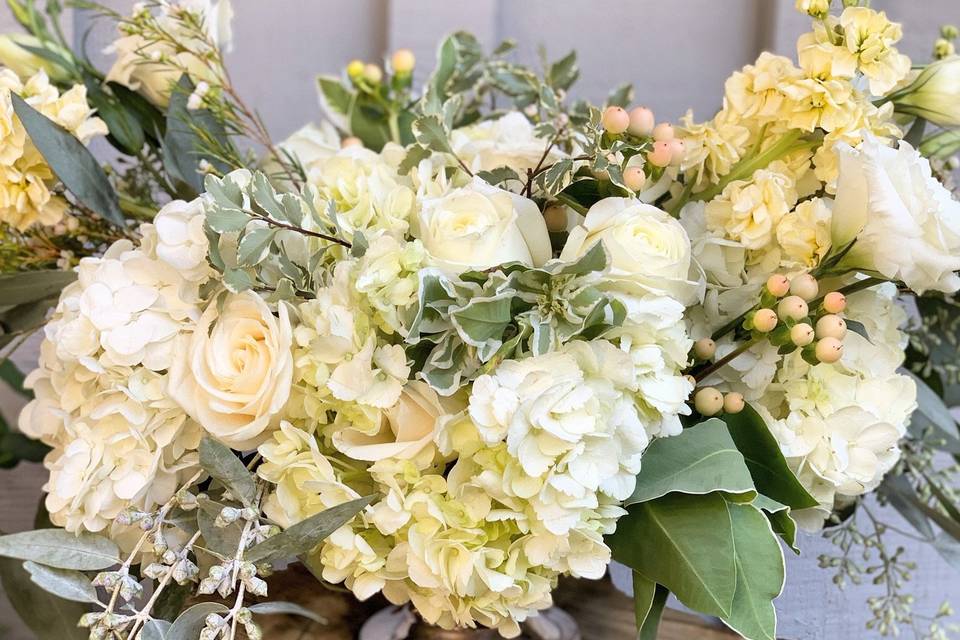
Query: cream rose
(646,245)
(508,141)
(906,224)
(480,226)
(407,428)
(236,371)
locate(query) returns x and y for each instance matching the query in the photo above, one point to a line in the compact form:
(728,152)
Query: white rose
(236,371)
(480,226)
(906,224)
(181,241)
(646,245)
(508,141)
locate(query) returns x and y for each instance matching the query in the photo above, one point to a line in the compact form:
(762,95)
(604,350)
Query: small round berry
(555,217)
(805,286)
(615,120)
(733,402)
(708,401)
(677,151)
(765,320)
(834,302)
(641,122)
(663,131)
(778,285)
(372,73)
(355,69)
(351,141)
(403,61)
(831,326)
(634,178)
(802,334)
(661,155)
(829,350)
(704,348)
(793,307)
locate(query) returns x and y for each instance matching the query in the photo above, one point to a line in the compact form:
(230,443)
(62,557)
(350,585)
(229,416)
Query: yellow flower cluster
(25,177)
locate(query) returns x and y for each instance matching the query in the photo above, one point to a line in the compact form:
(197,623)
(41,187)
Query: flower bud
(801,334)
(704,348)
(831,326)
(934,95)
(949,32)
(372,73)
(708,401)
(555,217)
(733,402)
(793,307)
(765,320)
(805,286)
(634,178)
(778,285)
(834,302)
(615,120)
(663,131)
(829,350)
(355,69)
(943,48)
(403,61)
(660,155)
(641,122)
(22,61)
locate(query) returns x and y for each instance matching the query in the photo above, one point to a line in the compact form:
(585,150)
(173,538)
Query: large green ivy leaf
(73,163)
(685,543)
(702,459)
(771,475)
(760,574)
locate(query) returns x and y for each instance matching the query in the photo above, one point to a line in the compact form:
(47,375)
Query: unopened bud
(355,69)
(778,285)
(708,401)
(403,61)
(704,348)
(372,73)
(831,326)
(765,320)
(733,402)
(829,350)
(805,286)
(615,120)
(793,307)
(555,217)
(949,31)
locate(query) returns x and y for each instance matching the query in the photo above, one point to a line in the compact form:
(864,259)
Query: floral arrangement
(467,338)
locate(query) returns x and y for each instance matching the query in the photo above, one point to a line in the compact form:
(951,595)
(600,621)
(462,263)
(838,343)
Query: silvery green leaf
(61,549)
(255,245)
(932,414)
(224,191)
(616,176)
(226,219)
(336,97)
(47,616)
(283,291)
(222,541)
(415,155)
(506,46)
(305,535)
(557,177)
(564,72)
(542,339)
(358,244)
(155,630)
(30,286)
(237,280)
(188,624)
(293,208)
(72,162)
(265,196)
(222,463)
(621,96)
(181,144)
(65,583)
(483,320)
(780,519)
(430,132)
(548,98)
(289,608)
(498,176)
(595,259)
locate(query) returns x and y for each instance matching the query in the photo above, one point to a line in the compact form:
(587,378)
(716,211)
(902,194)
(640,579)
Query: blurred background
(676,52)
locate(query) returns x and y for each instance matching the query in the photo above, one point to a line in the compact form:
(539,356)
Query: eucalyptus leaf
(72,162)
(32,286)
(900,494)
(700,460)
(286,608)
(188,624)
(306,534)
(65,583)
(932,413)
(61,549)
(182,148)
(49,617)
(155,630)
(684,542)
(771,474)
(222,463)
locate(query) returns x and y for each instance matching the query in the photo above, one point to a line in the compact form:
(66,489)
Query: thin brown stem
(719,364)
(301,230)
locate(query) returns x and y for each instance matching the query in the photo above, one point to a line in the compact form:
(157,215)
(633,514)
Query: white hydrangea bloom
(180,239)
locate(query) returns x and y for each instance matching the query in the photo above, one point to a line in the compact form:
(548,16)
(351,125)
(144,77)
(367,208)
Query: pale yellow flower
(712,148)
(804,233)
(817,103)
(755,91)
(749,211)
(25,197)
(869,38)
(814,8)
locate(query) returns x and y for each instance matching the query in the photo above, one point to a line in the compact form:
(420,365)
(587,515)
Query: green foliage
(183,147)
(61,549)
(649,598)
(222,464)
(72,162)
(49,617)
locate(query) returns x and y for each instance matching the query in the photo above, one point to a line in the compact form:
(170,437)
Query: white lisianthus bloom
(647,246)
(152,66)
(905,223)
(934,94)
(235,376)
(312,143)
(180,239)
(508,141)
(480,226)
